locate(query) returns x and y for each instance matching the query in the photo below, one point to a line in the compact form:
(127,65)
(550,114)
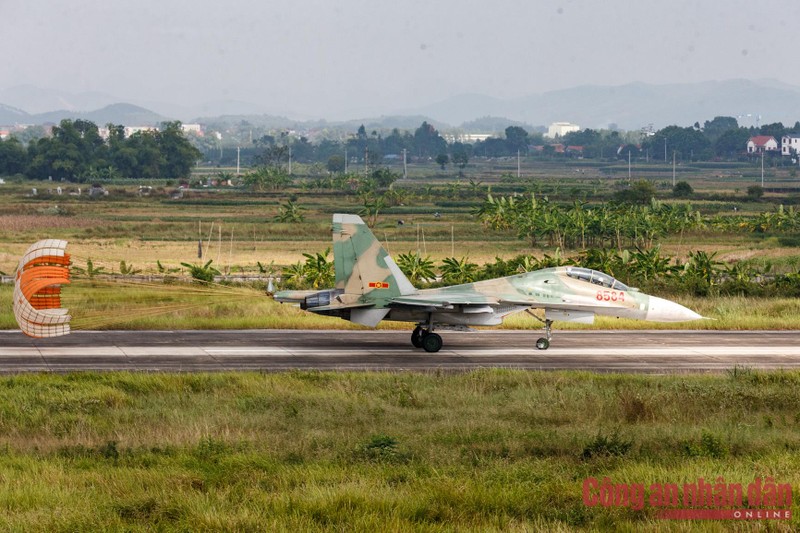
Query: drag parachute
(37,289)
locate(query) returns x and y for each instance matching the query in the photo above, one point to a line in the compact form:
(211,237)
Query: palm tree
(649,264)
(419,270)
(290,212)
(704,266)
(318,271)
(458,271)
(202,273)
(372,205)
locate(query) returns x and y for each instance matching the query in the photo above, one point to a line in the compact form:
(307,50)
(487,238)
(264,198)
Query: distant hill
(495,124)
(630,106)
(126,114)
(37,100)
(11,115)
(634,105)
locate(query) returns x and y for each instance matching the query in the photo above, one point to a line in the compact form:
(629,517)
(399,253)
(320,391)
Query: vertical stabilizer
(363,267)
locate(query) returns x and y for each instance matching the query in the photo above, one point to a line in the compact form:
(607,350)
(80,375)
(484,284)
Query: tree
(641,192)
(517,140)
(335,163)
(75,147)
(754,192)
(290,212)
(384,177)
(714,129)
(442,160)
(776,129)
(371,207)
(264,178)
(202,273)
(13,157)
(428,142)
(460,154)
(318,271)
(458,271)
(418,269)
(731,143)
(178,154)
(689,143)
(682,189)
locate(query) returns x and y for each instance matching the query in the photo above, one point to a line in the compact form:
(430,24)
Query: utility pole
(665,149)
(345,160)
(290,159)
(518,169)
(762,168)
(405,165)
(629,166)
(366,161)
(673,169)
(237,159)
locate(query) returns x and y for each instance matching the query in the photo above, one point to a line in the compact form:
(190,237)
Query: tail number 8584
(610,296)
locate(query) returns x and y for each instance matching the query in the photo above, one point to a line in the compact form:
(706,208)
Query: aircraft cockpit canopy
(596,277)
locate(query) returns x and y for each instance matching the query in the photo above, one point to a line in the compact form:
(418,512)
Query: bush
(682,189)
(611,446)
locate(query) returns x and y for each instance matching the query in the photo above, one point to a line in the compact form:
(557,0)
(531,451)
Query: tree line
(75,151)
(721,138)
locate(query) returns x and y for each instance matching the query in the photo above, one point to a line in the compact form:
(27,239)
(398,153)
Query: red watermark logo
(702,500)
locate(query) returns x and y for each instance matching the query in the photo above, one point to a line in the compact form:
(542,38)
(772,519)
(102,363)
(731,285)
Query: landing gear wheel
(432,342)
(416,337)
(542,343)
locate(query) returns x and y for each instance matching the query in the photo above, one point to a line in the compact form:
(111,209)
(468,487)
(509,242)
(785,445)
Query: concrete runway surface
(275,350)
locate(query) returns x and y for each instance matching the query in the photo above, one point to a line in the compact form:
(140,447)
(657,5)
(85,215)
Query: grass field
(480,451)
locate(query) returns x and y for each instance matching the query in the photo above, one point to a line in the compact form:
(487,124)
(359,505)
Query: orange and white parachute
(37,289)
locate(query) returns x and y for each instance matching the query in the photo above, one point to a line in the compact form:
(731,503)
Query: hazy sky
(340,59)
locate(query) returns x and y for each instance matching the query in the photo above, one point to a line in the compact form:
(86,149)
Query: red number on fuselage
(610,296)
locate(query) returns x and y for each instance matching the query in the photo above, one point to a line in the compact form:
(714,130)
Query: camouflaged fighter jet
(370,287)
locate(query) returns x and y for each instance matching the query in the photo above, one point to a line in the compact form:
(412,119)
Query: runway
(280,350)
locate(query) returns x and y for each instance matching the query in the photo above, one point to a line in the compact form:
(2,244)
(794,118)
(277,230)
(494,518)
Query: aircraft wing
(444,301)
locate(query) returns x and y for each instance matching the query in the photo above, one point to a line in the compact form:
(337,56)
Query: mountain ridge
(627,106)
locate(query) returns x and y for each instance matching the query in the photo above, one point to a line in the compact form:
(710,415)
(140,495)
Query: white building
(559,129)
(195,129)
(467,138)
(762,143)
(790,142)
(130,130)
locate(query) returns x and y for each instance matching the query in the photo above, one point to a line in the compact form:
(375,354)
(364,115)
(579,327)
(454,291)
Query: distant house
(559,129)
(790,142)
(762,144)
(575,150)
(130,130)
(194,129)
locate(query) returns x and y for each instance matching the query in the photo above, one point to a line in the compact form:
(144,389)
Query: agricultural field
(740,247)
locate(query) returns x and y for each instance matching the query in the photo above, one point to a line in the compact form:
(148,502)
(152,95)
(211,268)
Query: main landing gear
(426,339)
(543,343)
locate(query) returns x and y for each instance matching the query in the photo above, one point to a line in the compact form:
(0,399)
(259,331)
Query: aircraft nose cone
(661,310)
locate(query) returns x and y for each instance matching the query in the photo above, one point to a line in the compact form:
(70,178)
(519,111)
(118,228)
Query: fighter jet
(370,287)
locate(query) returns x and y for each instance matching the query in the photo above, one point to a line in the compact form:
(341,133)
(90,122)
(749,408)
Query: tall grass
(485,450)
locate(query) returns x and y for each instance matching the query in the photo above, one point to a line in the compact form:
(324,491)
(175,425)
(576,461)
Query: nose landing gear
(543,343)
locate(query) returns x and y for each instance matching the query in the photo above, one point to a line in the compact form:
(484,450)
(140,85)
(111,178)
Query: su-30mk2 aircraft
(370,287)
